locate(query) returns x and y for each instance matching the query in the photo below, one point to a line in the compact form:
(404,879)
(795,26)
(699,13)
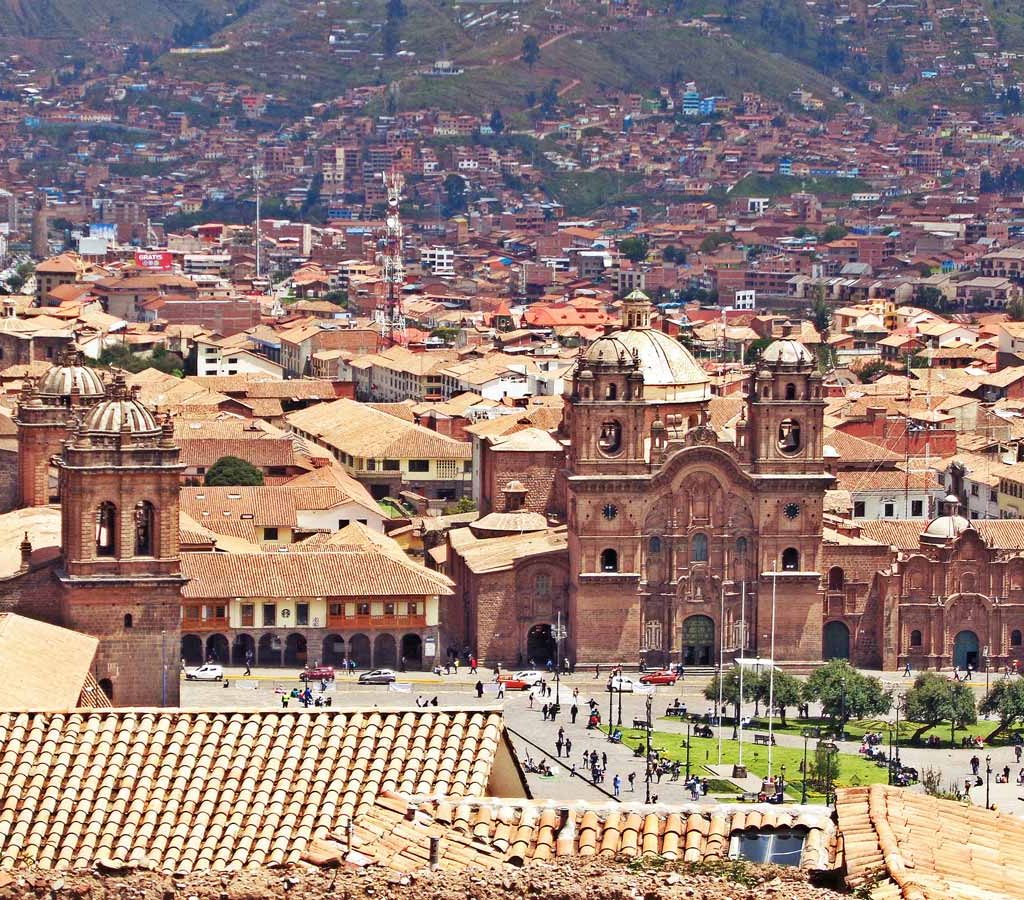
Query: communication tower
(389,312)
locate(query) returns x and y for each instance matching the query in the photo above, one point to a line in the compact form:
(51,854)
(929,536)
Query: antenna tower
(389,312)
(257,174)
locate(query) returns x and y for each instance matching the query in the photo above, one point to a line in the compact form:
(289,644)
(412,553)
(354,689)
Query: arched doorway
(217,649)
(540,646)
(965,650)
(412,650)
(698,641)
(107,686)
(836,578)
(295,650)
(192,649)
(385,654)
(242,649)
(359,650)
(334,650)
(836,641)
(269,653)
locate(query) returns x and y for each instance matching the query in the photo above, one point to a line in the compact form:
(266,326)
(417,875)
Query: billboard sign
(156,261)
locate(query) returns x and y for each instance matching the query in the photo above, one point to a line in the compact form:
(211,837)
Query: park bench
(675,711)
(764,739)
(640,723)
(748,797)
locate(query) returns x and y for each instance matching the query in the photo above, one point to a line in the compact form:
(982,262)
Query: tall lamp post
(807,734)
(560,634)
(647,776)
(619,722)
(771,676)
(985,651)
(988,778)
(689,725)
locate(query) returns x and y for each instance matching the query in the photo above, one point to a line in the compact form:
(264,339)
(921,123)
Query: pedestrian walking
(1017,752)
(604,760)
(501,692)
(632,781)
(479,689)
(248,671)
(572,771)
(597,671)
(616,785)
(558,747)
(967,677)
(574,711)
(568,747)
(906,670)
(472,665)
(531,699)
(975,765)
(561,732)
(544,712)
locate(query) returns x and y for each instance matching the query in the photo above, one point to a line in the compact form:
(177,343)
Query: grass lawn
(854,770)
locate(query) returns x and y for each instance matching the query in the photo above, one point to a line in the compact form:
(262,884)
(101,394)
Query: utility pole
(257,174)
(389,313)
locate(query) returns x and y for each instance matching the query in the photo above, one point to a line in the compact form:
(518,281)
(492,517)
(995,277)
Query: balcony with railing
(364,622)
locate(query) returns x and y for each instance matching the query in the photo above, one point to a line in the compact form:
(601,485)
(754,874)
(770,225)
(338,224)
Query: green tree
(755,349)
(674,254)
(1015,309)
(784,693)
(455,188)
(530,51)
(497,121)
(396,9)
(634,248)
(845,693)
(1006,700)
(229,471)
(935,699)
(932,298)
(731,689)
(821,315)
(872,371)
(462,505)
(391,38)
(832,233)
(713,241)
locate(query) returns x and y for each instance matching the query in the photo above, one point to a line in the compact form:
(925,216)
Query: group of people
(306,697)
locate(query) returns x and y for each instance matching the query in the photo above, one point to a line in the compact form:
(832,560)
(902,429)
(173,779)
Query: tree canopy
(530,50)
(935,699)
(634,248)
(1006,700)
(845,693)
(230,471)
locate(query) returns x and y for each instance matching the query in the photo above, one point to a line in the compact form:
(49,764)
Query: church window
(143,520)
(128,620)
(741,546)
(1015,638)
(699,548)
(790,560)
(106,529)
(654,545)
(789,436)
(915,638)
(612,392)
(858,509)
(791,391)
(609,442)
(836,578)
(609,560)
(542,584)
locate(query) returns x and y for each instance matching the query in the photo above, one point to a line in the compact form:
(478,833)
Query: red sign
(158,261)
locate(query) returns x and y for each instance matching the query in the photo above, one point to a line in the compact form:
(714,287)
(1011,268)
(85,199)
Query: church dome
(70,375)
(663,361)
(786,352)
(947,527)
(120,413)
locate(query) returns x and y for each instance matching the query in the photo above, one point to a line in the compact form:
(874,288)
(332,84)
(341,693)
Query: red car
(513,684)
(665,676)
(318,673)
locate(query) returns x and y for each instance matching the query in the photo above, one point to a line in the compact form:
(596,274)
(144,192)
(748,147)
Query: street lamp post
(619,722)
(647,776)
(807,733)
(611,699)
(771,675)
(988,778)
(560,634)
(952,717)
(985,651)
(689,725)
(782,779)
(842,708)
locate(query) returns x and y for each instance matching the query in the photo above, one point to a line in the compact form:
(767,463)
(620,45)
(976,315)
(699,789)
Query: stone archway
(217,649)
(269,651)
(192,649)
(243,649)
(359,650)
(412,650)
(333,650)
(540,645)
(698,641)
(385,653)
(835,641)
(295,650)
(966,650)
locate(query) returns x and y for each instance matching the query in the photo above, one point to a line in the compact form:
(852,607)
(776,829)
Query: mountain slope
(98,19)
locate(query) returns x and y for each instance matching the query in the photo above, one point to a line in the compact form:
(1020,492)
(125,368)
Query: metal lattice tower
(389,312)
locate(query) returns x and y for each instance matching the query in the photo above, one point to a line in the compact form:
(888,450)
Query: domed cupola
(948,526)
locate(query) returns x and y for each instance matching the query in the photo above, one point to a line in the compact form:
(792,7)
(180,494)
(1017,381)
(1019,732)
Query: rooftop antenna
(389,314)
(257,174)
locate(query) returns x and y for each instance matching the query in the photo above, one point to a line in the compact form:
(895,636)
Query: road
(535,737)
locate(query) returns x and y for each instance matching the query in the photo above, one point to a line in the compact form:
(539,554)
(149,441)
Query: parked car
(514,683)
(665,676)
(317,673)
(378,676)
(209,672)
(621,684)
(532,676)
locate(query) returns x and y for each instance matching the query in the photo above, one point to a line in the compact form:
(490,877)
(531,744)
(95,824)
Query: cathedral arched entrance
(835,641)
(540,645)
(698,641)
(966,650)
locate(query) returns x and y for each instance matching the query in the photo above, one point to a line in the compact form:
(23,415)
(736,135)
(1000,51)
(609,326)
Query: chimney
(26,553)
(515,496)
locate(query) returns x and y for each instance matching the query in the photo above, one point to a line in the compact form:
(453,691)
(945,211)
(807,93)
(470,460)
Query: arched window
(107,686)
(144,531)
(609,560)
(612,392)
(915,638)
(106,529)
(1015,638)
(699,548)
(741,546)
(790,560)
(789,436)
(609,442)
(791,391)
(836,578)
(654,545)
(128,620)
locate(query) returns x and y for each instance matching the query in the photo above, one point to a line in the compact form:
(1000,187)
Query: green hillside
(113,19)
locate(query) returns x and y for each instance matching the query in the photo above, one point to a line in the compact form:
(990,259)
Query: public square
(535,738)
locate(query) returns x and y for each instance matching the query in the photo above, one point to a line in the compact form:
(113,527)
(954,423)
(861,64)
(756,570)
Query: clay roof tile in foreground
(181,790)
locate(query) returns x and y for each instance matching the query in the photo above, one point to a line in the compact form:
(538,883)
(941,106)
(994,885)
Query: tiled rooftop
(396,832)
(184,791)
(909,846)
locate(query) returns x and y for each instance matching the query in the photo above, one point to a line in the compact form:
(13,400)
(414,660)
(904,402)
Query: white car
(532,676)
(378,676)
(621,684)
(209,672)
